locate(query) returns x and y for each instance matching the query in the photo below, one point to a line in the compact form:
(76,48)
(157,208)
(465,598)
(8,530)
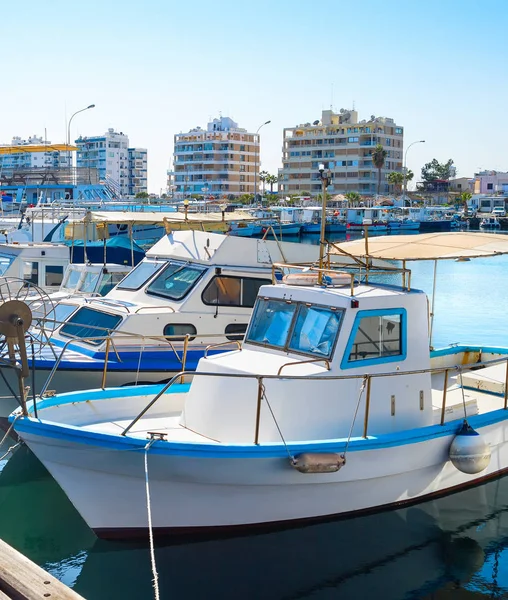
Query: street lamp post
(69,131)
(326,180)
(256,163)
(405,167)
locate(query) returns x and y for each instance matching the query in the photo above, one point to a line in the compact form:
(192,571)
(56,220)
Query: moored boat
(333,405)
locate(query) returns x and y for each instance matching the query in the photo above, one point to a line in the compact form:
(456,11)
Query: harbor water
(454,547)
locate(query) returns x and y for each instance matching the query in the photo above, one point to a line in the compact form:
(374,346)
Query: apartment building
(110,155)
(218,161)
(138,170)
(50,159)
(344,145)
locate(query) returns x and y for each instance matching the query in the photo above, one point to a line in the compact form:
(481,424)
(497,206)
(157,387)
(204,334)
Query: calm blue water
(456,547)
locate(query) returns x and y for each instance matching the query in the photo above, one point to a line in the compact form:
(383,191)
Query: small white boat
(333,405)
(490,223)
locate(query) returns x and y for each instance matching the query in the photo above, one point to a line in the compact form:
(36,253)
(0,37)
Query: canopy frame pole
(432,304)
(132,245)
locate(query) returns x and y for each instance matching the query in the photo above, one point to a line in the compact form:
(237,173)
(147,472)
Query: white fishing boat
(332,405)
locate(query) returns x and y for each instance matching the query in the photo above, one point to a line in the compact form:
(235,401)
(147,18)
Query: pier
(21,579)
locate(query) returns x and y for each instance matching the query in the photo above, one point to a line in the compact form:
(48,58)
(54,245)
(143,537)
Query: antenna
(353,104)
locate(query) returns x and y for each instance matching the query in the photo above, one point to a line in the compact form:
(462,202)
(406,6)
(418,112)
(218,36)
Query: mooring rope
(463,397)
(10,429)
(11,449)
(150,530)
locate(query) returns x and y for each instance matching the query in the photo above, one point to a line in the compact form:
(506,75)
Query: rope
(463,397)
(362,389)
(141,350)
(10,429)
(150,530)
(11,449)
(263,395)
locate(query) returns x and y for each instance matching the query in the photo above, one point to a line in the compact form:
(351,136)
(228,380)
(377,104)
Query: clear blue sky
(157,67)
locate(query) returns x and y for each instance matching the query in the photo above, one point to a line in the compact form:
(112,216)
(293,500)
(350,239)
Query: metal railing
(318,377)
(118,336)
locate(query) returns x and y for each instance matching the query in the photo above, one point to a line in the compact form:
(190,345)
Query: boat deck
(482,392)
(169,426)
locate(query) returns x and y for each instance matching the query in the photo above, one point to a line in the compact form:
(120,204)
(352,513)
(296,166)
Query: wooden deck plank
(21,579)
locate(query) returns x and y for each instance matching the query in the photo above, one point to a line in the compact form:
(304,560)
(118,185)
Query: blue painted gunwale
(72,434)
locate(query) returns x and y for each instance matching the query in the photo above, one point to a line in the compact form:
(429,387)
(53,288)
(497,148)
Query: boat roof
(427,246)
(162,218)
(228,250)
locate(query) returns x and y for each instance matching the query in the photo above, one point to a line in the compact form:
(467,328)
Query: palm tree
(378,160)
(353,197)
(464,198)
(262,177)
(271,180)
(396,179)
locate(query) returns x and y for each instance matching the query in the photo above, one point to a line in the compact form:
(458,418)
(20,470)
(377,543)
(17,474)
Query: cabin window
(144,271)
(233,291)
(54,275)
(31,272)
(377,336)
(315,330)
(271,322)
(295,327)
(89,282)
(175,281)
(89,323)
(178,331)
(59,313)
(109,281)
(5,263)
(236,331)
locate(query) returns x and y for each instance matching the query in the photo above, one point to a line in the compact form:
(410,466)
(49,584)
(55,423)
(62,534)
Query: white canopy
(151,218)
(427,246)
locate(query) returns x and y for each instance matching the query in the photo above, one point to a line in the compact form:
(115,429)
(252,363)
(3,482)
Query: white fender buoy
(469,452)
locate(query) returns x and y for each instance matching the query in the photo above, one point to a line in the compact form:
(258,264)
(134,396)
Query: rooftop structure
(344,145)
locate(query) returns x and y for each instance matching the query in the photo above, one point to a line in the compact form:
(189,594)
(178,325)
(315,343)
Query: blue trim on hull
(72,434)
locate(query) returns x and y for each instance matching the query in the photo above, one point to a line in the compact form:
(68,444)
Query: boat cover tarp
(118,251)
(426,246)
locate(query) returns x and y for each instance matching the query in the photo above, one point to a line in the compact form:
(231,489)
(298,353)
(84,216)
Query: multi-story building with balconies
(220,161)
(138,169)
(109,154)
(344,145)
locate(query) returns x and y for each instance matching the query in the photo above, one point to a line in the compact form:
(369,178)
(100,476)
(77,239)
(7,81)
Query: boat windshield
(90,323)
(141,274)
(89,282)
(71,279)
(5,262)
(295,327)
(176,280)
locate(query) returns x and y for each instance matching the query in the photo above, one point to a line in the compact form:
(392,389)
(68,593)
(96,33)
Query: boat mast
(326,179)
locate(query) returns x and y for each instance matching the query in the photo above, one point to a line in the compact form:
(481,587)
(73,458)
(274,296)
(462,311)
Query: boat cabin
(324,339)
(39,264)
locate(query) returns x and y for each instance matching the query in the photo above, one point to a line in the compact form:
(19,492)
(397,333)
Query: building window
(490,186)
